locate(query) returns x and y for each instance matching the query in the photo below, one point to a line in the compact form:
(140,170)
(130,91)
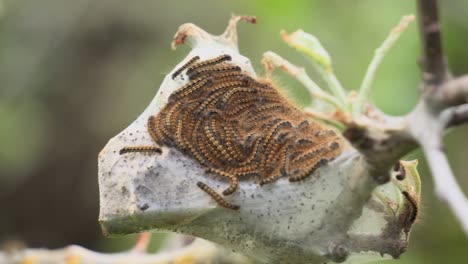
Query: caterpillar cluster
(236,126)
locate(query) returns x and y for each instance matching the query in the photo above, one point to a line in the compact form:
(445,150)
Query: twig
(324,117)
(271,60)
(380,53)
(457,115)
(434,66)
(446,187)
(310,46)
(454,92)
(333,83)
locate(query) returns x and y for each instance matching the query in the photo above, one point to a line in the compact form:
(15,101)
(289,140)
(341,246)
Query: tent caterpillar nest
(236,126)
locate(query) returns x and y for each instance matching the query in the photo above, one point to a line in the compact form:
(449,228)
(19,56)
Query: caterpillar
(218,198)
(185,66)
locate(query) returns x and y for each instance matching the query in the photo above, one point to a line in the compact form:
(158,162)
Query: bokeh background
(75,73)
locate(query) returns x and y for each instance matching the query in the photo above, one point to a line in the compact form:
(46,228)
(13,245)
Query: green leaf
(310,46)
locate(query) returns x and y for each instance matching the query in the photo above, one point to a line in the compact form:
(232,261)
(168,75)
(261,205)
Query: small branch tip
(404,22)
(190,34)
(230,33)
(379,55)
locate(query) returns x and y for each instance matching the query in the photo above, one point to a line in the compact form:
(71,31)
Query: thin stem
(316,91)
(333,83)
(446,186)
(380,53)
(313,50)
(324,118)
(230,34)
(272,60)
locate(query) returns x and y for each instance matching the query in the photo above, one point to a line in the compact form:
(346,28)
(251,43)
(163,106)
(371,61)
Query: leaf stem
(379,54)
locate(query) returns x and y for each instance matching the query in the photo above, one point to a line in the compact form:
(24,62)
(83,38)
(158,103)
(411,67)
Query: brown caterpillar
(140,149)
(408,217)
(414,206)
(218,198)
(185,66)
(237,126)
(215,69)
(209,62)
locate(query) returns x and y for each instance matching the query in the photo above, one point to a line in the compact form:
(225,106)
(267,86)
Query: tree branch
(454,92)
(458,116)
(434,66)
(446,186)
(429,119)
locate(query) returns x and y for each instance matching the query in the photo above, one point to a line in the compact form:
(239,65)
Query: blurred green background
(75,73)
